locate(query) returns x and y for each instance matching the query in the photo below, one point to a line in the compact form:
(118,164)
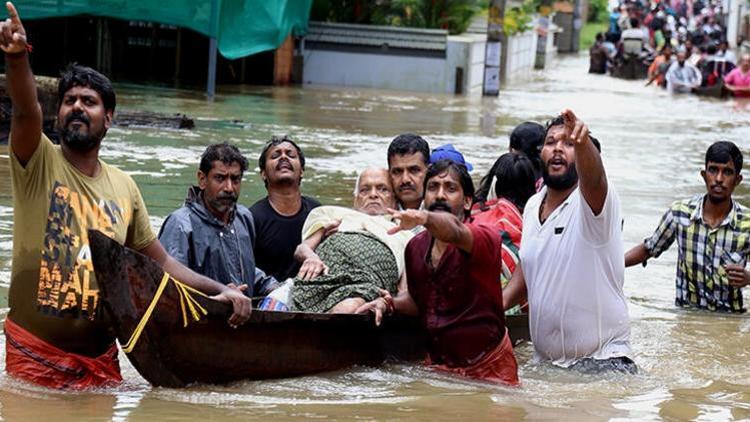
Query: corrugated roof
(377,36)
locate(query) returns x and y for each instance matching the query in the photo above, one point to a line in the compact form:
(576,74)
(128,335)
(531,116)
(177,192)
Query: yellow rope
(186,301)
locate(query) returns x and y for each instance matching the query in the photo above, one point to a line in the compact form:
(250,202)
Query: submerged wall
(408,59)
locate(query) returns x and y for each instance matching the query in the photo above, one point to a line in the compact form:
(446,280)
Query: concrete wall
(399,69)
(521,55)
(352,69)
(466,52)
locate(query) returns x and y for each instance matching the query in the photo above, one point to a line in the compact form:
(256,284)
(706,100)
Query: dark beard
(76,140)
(564,182)
(80,142)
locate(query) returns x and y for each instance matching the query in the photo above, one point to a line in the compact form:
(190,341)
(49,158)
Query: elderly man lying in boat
(348,258)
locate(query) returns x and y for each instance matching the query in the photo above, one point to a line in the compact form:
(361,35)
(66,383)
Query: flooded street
(694,365)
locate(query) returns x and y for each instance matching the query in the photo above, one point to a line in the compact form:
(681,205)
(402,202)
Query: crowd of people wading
(678,45)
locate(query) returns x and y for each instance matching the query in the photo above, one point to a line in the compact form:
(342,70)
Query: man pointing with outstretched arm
(572,262)
(452,276)
(55,335)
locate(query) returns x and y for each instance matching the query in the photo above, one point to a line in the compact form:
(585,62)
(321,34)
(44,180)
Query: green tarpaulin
(241,27)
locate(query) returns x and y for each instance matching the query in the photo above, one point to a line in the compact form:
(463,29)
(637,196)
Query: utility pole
(577,25)
(492,52)
(213,32)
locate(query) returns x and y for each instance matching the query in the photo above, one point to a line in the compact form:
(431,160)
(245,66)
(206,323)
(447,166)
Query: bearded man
(55,335)
(572,258)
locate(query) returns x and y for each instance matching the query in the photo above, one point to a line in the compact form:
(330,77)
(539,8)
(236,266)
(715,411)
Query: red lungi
(32,359)
(498,366)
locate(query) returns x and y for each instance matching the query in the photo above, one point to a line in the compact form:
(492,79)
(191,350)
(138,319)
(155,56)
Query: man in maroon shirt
(452,274)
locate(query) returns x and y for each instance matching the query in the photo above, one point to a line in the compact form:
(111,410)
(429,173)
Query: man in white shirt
(635,39)
(683,76)
(571,265)
(726,53)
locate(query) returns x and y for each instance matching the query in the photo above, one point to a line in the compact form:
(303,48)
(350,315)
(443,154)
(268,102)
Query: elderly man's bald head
(373,192)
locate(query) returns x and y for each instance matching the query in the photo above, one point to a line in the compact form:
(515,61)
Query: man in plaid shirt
(713,235)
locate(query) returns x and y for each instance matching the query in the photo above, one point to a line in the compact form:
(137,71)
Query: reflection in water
(693,363)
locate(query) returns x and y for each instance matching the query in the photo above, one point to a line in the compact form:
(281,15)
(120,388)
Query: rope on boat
(187,303)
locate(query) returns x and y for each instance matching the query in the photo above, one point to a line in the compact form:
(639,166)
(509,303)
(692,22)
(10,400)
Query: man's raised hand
(574,127)
(12,34)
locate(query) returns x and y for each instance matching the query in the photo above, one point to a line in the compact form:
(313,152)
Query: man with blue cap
(449,152)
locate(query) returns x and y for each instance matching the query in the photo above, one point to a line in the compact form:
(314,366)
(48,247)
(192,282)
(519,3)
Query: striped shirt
(703,252)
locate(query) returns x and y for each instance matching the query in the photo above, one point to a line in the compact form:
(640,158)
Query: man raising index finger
(571,244)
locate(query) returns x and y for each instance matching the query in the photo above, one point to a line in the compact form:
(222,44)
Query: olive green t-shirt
(53,291)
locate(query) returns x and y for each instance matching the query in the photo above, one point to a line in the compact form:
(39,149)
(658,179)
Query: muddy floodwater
(695,365)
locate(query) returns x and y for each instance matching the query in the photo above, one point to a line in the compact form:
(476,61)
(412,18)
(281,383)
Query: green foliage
(518,18)
(598,11)
(453,15)
(350,11)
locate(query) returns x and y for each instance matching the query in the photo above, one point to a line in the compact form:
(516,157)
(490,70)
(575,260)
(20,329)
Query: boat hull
(630,68)
(269,345)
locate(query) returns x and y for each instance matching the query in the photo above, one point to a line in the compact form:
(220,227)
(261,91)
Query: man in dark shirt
(280,215)
(452,273)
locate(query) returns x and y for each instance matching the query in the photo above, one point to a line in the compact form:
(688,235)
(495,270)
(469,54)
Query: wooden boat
(715,91)
(270,345)
(630,68)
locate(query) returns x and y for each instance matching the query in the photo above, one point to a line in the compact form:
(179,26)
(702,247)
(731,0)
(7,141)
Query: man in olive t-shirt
(54,335)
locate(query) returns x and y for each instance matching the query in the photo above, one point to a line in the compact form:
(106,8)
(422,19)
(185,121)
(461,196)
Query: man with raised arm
(55,335)
(452,276)
(572,258)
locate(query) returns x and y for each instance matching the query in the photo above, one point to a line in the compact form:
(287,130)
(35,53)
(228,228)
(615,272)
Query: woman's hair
(514,179)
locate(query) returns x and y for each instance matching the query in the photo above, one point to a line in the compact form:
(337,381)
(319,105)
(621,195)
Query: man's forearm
(593,180)
(22,87)
(448,228)
(515,290)
(403,303)
(191,278)
(636,255)
(304,252)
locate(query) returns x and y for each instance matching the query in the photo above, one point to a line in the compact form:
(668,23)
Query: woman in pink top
(738,80)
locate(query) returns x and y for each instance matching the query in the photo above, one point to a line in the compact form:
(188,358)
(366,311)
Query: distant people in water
(738,80)
(598,55)
(711,231)
(682,76)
